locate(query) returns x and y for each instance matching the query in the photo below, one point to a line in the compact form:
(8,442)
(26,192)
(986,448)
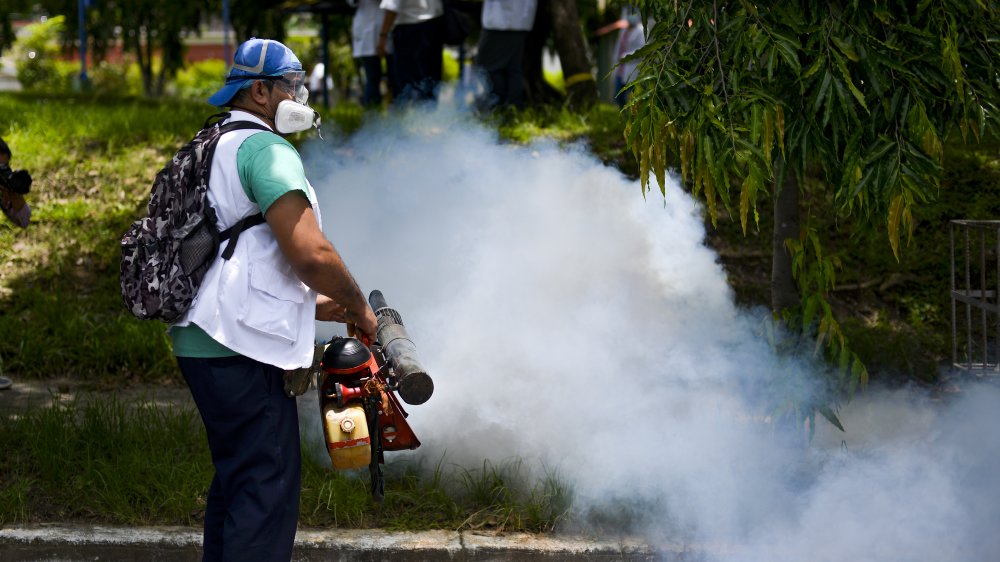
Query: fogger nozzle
(414,384)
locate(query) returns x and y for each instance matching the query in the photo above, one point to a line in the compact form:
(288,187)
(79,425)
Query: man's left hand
(329,311)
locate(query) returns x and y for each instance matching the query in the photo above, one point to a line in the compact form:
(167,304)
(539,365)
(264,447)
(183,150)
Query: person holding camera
(14,185)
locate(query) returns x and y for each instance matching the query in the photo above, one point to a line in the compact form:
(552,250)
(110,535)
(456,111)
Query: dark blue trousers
(417,49)
(253,434)
(372,94)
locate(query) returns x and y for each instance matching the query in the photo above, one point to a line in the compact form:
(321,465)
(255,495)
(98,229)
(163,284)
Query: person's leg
(372,67)
(492,57)
(434,53)
(426,40)
(390,73)
(253,435)
(515,69)
(406,66)
(215,521)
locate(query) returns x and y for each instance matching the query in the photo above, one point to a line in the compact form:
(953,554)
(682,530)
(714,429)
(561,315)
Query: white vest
(253,303)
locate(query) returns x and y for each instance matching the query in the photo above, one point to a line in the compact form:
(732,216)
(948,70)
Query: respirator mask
(295,116)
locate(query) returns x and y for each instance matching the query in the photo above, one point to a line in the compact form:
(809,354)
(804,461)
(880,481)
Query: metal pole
(954,311)
(968,293)
(82,19)
(325,37)
(996,345)
(986,298)
(225,33)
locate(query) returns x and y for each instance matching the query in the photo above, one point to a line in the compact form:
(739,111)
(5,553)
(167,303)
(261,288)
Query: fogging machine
(361,414)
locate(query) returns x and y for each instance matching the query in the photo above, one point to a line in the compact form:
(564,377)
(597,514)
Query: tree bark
(536,90)
(560,20)
(581,88)
(784,292)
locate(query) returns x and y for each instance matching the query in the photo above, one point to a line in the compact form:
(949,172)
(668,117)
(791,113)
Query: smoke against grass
(571,323)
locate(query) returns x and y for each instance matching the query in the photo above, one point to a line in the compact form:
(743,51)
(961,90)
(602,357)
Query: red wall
(194,53)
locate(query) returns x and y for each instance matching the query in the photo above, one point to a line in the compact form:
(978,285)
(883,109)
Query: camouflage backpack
(165,255)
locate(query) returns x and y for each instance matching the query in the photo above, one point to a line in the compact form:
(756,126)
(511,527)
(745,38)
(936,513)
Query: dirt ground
(30,394)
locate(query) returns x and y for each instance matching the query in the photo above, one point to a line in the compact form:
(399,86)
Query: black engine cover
(345,355)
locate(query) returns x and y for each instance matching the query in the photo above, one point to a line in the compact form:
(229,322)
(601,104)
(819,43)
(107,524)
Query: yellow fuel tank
(347,440)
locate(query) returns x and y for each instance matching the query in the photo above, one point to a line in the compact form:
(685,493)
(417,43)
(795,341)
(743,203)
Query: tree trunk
(536,90)
(560,20)
(784,292)
(581,89)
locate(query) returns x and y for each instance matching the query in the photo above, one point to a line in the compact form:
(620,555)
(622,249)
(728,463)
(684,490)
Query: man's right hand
(364,328)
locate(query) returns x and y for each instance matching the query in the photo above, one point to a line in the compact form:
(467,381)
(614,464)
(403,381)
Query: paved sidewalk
(72,543)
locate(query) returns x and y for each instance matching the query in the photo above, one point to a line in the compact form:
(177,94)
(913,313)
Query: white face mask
(292,117)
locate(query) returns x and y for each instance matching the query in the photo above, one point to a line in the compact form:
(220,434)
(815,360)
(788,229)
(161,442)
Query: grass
(117,463)
(144,465)
(93,160)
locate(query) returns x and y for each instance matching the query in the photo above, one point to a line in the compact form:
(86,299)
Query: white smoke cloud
(571,323)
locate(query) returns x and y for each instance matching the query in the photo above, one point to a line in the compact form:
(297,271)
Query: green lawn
(121,463)
(93,161)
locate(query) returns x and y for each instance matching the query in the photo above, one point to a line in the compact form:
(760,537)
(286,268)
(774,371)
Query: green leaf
(814,67)
(850,84)
(831,417)
(756,122)
(809,311)
(895,215)
(789,47)
(846,48)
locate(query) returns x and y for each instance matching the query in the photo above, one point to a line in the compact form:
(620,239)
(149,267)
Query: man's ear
(259,92)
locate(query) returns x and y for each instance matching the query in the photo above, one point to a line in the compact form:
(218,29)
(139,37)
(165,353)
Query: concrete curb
(72,543)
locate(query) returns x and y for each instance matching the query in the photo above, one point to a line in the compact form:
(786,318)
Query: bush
(37,58)
(116,79)
(201,79)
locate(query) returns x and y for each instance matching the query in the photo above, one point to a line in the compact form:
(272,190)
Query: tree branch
(722,73)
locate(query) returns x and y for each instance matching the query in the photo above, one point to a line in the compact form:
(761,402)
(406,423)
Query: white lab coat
(515,15)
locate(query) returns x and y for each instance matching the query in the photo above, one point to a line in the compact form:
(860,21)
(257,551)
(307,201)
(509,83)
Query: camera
(18,181)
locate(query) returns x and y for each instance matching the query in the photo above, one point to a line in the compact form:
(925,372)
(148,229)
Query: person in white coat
(254,314)
(417,29)
(365,28)
(500,55)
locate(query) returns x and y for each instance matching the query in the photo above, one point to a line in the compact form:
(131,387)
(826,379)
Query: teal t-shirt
(269,167)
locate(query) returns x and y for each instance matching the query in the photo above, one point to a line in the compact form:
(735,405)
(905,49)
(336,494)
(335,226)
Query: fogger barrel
(414,384)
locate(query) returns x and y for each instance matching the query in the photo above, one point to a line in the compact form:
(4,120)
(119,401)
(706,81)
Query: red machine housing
(349,374)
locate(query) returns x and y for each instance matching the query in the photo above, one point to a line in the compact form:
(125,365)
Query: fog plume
(571,322)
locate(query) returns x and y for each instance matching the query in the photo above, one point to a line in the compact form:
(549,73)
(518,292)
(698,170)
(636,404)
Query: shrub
(201,79)
(117,79)
(37,57)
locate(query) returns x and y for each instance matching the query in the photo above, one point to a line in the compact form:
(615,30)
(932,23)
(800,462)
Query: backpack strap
(241,126)
(214,119)
(232,234)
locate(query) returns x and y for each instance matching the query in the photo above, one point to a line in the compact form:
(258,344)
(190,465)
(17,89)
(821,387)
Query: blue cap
(253,59)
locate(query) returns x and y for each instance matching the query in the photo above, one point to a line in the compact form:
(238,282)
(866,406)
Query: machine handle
(377,300)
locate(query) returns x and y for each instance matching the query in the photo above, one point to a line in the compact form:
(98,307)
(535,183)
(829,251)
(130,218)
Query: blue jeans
(253,434)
